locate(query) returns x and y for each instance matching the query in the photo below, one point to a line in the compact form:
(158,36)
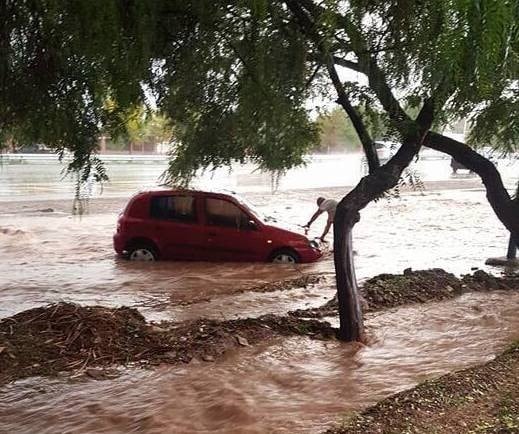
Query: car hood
(285,227)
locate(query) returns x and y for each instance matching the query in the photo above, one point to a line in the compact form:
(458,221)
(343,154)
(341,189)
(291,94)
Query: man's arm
(326,229)
(316,214)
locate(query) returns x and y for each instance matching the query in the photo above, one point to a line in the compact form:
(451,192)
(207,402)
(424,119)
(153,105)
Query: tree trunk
(513,244)
(512,249)
(347,215)
(350,313)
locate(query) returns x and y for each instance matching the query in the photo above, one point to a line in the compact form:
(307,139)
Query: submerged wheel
(284,256)
(142,253)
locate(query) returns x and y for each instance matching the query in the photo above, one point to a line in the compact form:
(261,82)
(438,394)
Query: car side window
(224,213)
(177,208)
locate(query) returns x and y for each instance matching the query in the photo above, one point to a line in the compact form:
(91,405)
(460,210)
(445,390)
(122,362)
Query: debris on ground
(69,337)
(482,399)
(415,286)
(482,281)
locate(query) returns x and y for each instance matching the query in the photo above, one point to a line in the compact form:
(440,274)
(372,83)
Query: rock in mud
(242,341)
(97,374)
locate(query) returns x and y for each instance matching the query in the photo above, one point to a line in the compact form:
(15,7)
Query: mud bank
(68,337)
(482,399)
(421,286)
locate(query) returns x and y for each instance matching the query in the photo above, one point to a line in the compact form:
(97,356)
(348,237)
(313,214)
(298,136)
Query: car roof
(165,191)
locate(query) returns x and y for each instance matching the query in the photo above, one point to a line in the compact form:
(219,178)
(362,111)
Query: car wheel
(142,253)
(285,257)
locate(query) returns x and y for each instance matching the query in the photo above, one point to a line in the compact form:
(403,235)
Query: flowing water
(295,385)
(290,385)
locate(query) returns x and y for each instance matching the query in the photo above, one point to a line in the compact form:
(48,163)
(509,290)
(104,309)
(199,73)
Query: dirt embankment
(421,286)
(483,399)
(69,337)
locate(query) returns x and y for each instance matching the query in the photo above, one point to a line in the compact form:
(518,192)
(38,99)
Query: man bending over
(324,205)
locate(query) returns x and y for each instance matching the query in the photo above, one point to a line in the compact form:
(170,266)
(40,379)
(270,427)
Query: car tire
(142,253)
(284,256)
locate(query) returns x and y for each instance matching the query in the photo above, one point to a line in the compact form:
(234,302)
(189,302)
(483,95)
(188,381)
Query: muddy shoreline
(387,291)
(481,399)
(66,337)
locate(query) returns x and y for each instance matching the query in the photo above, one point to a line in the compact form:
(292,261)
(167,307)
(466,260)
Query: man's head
(320,200)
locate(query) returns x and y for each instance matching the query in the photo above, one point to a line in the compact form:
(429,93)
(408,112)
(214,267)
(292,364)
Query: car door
(231,233)
(177,226)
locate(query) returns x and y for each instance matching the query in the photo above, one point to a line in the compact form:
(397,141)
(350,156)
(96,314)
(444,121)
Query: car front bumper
(118,244)
(309,254)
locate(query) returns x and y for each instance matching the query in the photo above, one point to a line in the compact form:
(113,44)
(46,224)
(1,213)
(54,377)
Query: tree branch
(506,209)
(314,74)
(308,27)
(368,66)
(364,136)
(354,66)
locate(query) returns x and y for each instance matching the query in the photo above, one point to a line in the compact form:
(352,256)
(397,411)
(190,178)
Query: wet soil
(482,399)
(68,337)
(421,286)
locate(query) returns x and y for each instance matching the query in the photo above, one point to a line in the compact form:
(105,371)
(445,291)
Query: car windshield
(255,212)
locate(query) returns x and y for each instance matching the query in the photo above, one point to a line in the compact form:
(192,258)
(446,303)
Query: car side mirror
(251,225)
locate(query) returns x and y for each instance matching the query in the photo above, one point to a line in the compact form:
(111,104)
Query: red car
(202,226)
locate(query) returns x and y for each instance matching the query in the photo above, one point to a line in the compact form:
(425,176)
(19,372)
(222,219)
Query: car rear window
(178,208)
(224,213)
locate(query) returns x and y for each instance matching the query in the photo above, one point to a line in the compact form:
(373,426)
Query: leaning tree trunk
(513,244)
(350,313)
(347,215)
(512,249)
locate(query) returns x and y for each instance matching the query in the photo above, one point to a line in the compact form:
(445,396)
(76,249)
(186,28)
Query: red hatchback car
(202,226)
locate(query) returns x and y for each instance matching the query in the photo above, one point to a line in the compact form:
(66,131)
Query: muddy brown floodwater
(47,257)
(295,385)
(291,385)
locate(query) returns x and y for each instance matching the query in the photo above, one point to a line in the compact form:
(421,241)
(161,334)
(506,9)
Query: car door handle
(212,234)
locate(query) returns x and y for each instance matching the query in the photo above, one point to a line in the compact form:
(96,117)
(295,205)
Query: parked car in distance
(191,225)
(35,148)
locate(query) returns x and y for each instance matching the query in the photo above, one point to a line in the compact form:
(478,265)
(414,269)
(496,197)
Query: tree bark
(347,215)
(350,313)
(512,249)
(513,244)
(380,178)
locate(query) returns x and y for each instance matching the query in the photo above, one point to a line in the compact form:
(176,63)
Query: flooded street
(47,257)
(295,385)
(290,385)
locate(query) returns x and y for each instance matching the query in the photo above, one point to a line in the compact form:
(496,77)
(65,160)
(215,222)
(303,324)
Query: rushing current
(289,385)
